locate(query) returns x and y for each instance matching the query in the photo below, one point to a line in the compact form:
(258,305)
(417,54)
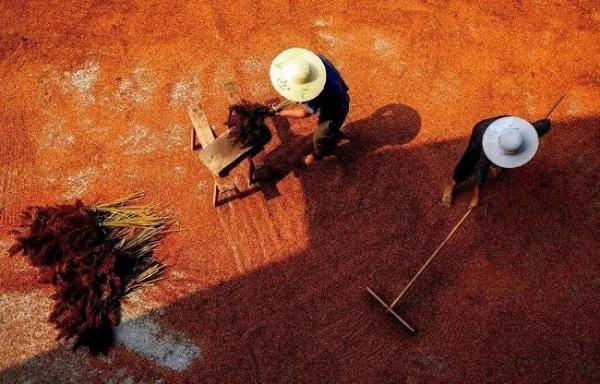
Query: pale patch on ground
(323,22)
(24,322)
(179,170)
(202,186)
(139,142)
(80,82)
(7,180)
(130,172)
(388,51)
(107,166)
(137,90)
(253,66)
(185,92)
(140,303)
(53,135)
(222,75)
(333,41)
(47,176)
(259,89)
(83,80)
(4,245)
(140,334)
(143,336)
(384,47)
(79,182)
(91,126)
(174,136)
(142,140)
(179,284)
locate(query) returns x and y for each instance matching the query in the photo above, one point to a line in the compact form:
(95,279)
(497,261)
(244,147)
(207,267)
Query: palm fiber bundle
(94,256)
(246,123)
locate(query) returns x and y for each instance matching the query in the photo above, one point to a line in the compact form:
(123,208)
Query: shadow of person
(308,318)
(392,124)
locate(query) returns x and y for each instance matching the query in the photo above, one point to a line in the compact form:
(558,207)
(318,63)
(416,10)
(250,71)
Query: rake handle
(554,106)
(431,258)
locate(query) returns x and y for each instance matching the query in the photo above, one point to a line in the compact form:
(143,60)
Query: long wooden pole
(555,105)
(284,104)
(431,258)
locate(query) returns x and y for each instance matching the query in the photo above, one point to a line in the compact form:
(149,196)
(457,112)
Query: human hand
(272,110)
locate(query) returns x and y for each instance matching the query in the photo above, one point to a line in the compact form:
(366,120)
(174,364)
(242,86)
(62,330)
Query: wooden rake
(390,308)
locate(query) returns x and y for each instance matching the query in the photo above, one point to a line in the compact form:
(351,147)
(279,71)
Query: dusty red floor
(271,288)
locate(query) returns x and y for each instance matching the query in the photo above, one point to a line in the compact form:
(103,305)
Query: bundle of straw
(246,123)
(94,256)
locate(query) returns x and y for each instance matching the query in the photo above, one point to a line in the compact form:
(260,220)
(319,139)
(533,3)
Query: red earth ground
(271,288)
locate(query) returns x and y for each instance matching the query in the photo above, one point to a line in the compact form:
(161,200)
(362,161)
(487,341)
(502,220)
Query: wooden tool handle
(284,104)
(431,258)
(554,106)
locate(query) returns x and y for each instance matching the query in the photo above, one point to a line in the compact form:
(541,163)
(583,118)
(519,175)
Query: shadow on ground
(513,297)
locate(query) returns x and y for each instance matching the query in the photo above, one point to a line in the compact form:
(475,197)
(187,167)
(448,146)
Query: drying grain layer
(271,288)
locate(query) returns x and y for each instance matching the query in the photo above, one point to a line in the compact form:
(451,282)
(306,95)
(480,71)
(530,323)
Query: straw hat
(510,142)
(298,74)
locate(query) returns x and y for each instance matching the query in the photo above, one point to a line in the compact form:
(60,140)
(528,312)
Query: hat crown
(510,140)
(297,71)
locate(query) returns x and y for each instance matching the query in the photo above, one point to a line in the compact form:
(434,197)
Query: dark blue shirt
(332,102)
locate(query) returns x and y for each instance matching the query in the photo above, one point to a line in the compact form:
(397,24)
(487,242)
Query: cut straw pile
(94,256)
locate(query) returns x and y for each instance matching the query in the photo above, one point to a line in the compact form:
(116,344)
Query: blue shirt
(332,102)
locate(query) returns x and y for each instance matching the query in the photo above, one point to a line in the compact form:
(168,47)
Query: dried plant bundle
(246,123)
(94,256)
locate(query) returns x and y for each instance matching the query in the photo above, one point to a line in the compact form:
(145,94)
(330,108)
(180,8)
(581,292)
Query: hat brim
(291,90)
(497,155)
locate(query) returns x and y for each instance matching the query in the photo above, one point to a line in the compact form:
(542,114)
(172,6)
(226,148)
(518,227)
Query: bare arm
(295,112)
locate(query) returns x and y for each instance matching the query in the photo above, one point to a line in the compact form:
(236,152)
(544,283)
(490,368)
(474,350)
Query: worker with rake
(496,143)
(311,79)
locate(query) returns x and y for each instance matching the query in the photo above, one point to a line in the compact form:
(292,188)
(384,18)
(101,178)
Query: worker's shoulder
(487,122)
(490,120)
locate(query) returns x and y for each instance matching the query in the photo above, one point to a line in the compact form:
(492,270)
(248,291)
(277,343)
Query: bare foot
(447,197)
(475,199)
(308,160)
(474,202)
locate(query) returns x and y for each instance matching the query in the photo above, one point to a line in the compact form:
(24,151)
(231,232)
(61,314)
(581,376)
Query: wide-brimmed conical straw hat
(298,74)
(510,142)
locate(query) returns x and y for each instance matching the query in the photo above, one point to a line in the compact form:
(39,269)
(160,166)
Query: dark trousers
(327,133)
(466,165)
